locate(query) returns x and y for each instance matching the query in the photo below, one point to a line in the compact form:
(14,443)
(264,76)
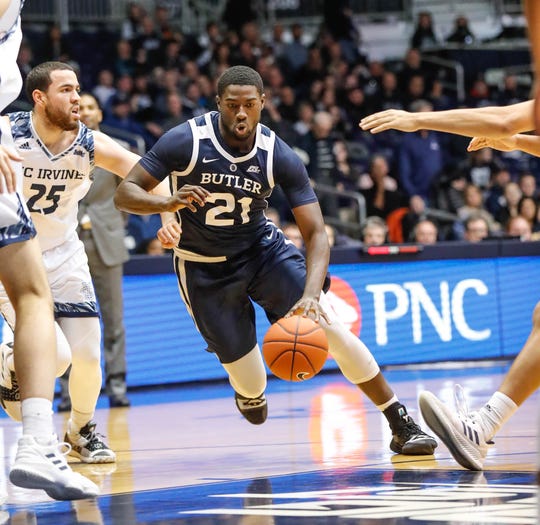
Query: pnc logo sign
(410,302)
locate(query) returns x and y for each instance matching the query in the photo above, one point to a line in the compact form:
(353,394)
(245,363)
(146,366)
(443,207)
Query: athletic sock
(495,413)
(37,418)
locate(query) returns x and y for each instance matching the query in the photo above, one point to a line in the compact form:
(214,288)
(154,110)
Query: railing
(358,208)
(456,67)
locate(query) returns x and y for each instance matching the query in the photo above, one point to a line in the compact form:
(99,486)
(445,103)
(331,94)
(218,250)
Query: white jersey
(15,224)
(53,185)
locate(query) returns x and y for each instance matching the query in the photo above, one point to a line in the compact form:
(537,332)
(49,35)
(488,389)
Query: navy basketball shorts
(219,295)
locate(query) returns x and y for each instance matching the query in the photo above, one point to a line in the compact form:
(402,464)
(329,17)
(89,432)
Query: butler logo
(345,303)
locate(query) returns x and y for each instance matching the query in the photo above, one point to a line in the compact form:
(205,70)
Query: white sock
(37,418)
(390,402)
(496,412)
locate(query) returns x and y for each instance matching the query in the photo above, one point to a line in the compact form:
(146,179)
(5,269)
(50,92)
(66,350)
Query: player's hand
(8,177)
(309,307)
(186,197)
(501,144)
(389,119)
(169,234)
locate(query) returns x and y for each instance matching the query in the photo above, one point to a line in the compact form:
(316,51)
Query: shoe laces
(462,406)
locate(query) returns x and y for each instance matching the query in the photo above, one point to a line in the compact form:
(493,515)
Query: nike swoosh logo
(206,161)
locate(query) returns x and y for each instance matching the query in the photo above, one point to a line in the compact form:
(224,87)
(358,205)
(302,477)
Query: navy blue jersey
(233,218)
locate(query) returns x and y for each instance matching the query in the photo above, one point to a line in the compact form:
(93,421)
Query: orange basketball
(295,348)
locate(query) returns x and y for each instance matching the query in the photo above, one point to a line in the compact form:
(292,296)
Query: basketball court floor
(186,456)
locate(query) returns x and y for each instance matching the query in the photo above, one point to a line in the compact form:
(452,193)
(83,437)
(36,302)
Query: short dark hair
(239,76)
(40,76)
(88,94)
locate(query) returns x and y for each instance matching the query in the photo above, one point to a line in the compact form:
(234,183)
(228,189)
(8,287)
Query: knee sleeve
(247,375)
(353,357)
(83,334)
(63,351)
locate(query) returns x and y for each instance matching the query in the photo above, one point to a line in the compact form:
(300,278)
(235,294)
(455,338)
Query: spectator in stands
(420,159)
(424,36)
(411,66)
(150,41)
(415,90)
(374,231)
(461,33)
(519,227)
(389,95)
(438,98)
(124,63)
(476,228)
(480,166)
(480,95)
(318,143)
(295,53)
(511,92)
(495,200)
(512,195)
(304,118)
(473,206)
(174,116)
(132,25)
(528,209)
(104,89)
(379,189)
(425,232)
(527,185)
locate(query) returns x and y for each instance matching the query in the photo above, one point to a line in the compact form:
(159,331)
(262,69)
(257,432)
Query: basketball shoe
(407,436)
(44,467)
(10,397)
(461,432)
(255,410)
(88,446)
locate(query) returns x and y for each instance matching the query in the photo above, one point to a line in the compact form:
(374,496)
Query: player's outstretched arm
(113,157)
(492,121)
(526,143)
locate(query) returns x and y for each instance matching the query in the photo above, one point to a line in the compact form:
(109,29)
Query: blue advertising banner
(405,312)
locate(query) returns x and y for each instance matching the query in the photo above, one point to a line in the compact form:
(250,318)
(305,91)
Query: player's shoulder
(20,124)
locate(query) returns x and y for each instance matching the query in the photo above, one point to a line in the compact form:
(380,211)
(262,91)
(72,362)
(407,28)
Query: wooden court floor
(185,456)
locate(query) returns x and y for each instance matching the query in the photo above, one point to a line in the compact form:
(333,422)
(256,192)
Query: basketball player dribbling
(222,167)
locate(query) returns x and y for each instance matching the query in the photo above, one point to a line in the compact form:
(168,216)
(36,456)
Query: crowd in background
(153,77)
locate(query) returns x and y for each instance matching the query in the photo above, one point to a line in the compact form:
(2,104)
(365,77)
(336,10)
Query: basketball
(295,348)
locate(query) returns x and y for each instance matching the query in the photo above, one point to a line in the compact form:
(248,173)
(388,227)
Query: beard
(61,120)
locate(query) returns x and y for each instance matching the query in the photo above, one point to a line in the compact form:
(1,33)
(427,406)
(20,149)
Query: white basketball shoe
(461,432)
(44,467)
(10,397)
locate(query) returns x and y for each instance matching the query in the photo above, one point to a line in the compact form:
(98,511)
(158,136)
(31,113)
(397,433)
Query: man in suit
(101,228)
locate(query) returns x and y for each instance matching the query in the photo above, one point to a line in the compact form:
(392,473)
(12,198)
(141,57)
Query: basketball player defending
(58,154)
(39,462)
(469,435)
(229,254)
